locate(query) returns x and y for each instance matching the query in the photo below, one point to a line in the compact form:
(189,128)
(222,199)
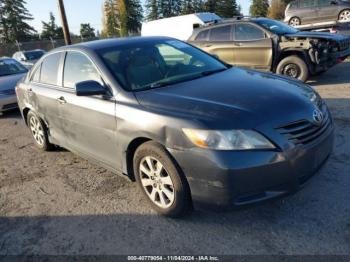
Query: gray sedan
(191,130)
(10,73)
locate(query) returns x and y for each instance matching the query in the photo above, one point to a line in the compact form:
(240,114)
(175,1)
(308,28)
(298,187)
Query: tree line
(124,17)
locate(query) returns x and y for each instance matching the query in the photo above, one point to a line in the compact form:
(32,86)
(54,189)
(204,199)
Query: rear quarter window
(203,36)
(49,69)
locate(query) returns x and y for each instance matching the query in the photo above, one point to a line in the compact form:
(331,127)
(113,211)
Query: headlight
(228,140)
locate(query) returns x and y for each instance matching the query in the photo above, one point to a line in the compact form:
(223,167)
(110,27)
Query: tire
(294,21)
(39,132)
(161,180)
(293,66)
(344,16)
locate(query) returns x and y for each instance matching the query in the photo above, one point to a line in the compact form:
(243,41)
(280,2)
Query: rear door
(252,47)
(44,92)
(89,121)
(308,11)
(220,43)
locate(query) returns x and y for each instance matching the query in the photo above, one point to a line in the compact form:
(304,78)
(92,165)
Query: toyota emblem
(318,117)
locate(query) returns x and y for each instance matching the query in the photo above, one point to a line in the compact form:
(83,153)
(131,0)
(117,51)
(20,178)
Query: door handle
(61,100)
(238,44)
(208,45)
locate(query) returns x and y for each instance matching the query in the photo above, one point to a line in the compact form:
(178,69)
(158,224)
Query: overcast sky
(79,11)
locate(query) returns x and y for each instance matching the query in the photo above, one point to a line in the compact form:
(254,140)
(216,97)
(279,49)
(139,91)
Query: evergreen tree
(259,8)
(192,6)
(51,30)
(13,18)
(169,8)
(111,25)
(135,16)
(86,31)
(152,10)
(210,6)
(227,8)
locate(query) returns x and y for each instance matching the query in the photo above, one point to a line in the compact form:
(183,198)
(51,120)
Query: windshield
(147,65)
(11,67)
(33,55)
(276,27)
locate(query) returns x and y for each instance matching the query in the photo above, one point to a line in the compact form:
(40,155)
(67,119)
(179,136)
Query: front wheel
(161,181)
(294,67)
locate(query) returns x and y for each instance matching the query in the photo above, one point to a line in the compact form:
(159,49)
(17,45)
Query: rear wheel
(293,66)
(161,180)
(39,132)
(344,16)
(295,21)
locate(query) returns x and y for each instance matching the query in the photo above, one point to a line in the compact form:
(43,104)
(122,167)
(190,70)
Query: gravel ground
(57,203)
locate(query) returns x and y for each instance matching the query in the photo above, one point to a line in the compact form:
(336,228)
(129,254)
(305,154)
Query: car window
(324,3)
(49,70)
(294,4)
(307,3)
(203,36)
(247,32)
(154,64)
(222,33)
(11,67)
(36,75)
(79,68)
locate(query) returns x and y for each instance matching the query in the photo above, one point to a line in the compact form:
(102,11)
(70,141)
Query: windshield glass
(147,65)
(276,27)
(33,55)
(11,67)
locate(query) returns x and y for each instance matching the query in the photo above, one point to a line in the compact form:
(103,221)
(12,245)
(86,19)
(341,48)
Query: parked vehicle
(28,58)
(269,45)
(10,73)
(311,11)
(329,27)
(179,27)
(187,127)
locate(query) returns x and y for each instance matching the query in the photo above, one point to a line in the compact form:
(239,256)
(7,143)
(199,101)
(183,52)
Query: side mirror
(334,2)
(89,88)
(215,56)
(22,59)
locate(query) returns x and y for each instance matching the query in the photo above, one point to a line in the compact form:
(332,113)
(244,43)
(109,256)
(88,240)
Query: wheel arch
(342,10)
(293,52)
(130,152)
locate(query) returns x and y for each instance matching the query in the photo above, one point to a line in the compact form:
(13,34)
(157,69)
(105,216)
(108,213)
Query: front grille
(304,132)
(344,44)
(8,92)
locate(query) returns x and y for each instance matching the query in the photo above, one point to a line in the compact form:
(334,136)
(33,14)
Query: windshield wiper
(211,72)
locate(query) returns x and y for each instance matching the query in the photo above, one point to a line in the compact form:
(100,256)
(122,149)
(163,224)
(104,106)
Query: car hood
(235,98)
(9,82)
(317,35)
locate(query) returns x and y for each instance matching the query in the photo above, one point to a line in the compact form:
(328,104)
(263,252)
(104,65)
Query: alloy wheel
(344,16)
(292,70)
(37,130)
(156,182)
(294,21)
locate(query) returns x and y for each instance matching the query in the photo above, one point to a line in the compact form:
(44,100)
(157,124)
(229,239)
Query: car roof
(101,44)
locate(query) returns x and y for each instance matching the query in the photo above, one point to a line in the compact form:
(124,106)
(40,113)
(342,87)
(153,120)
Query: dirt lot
(57,203)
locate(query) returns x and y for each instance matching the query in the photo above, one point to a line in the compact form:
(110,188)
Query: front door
(252,48)
(327,10)
(220,43)
(89,121)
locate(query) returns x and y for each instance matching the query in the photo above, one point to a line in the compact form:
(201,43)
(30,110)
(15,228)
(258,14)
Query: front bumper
(232,179)
(8,102)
